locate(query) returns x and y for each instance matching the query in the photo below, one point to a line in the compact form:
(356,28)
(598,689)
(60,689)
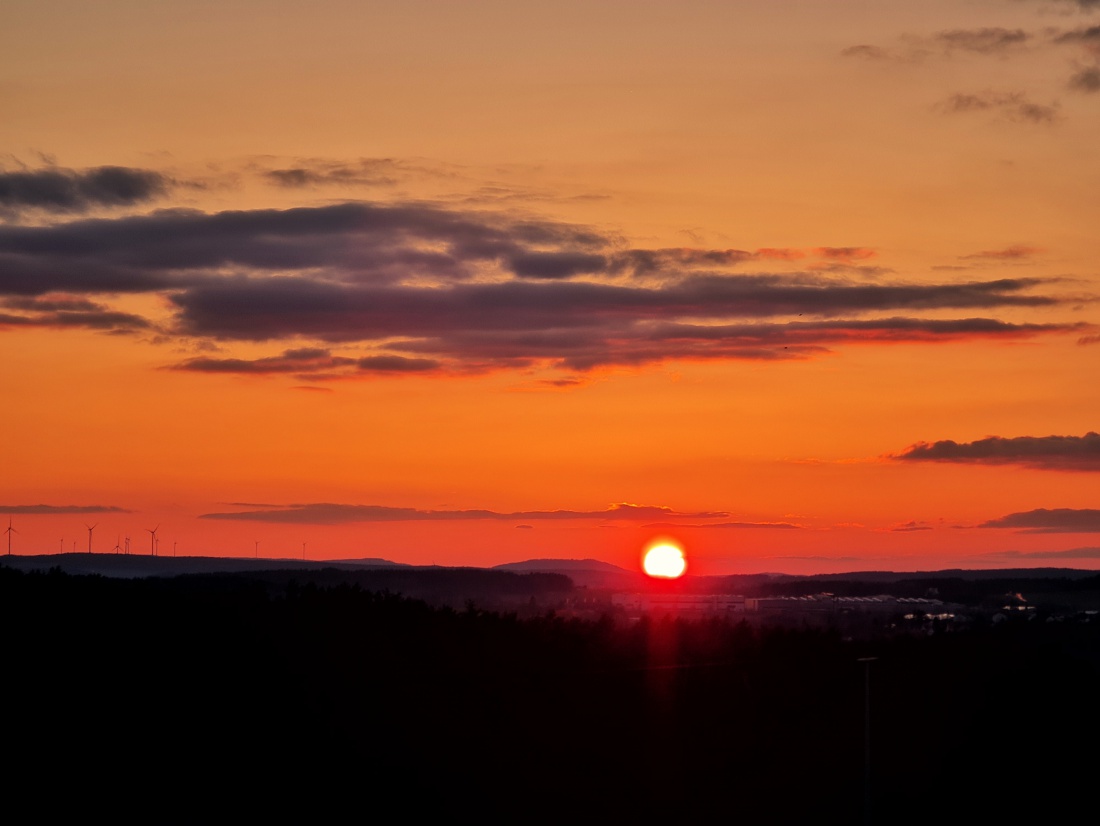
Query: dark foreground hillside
(222,698)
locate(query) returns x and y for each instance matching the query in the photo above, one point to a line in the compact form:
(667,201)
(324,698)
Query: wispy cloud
(910,527)
(913,48)
(1012,106)
(60,311)
(325,513)
(1016,252)
(987,40)
(1086,80)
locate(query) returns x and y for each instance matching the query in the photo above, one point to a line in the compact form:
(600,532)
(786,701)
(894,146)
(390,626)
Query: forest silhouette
(240,697)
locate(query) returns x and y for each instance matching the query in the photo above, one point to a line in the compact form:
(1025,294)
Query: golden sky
(804,286)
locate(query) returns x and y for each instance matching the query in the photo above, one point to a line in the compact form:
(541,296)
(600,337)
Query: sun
(664,561)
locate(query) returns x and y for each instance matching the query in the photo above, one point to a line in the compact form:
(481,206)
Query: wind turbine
(153,539)
(256,550)
(9,532)
(118,547)
(90,529)
(127,546)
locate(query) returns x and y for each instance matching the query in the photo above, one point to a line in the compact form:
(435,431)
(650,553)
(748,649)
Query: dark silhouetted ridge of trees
(215,698)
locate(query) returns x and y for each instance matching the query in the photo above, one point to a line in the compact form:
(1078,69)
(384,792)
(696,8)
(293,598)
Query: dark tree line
(240,697)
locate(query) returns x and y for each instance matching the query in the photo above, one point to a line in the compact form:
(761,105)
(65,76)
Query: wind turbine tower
(153,540)
(10,530)
(118,546)
(90,529)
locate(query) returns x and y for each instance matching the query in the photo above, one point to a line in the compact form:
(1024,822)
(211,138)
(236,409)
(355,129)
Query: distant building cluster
(680,604)
(830,604)
(808,607)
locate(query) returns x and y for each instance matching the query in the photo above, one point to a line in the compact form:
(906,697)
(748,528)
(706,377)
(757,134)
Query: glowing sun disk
(665,561)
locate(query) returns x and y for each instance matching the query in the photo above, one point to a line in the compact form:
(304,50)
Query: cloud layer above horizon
(430,287)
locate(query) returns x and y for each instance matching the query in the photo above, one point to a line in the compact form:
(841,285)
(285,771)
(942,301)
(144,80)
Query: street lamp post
(867,737)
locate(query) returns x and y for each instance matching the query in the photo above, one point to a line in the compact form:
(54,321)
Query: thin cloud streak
(1054,520)
(61,509)
(326,513)
(1071,554)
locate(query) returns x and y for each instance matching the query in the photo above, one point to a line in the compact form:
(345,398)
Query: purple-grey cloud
(553,265)
(303,360)
(397,364)
(989,40)
(1086,80)
(349,242)
(311,173)
(1016,252)
(1088,36)
(62,311)
(54,189)
(1013,106)
(273,307)
(866,51)
(432,287)
(1073,453)
(909,527)
(326,513)
(1054,520)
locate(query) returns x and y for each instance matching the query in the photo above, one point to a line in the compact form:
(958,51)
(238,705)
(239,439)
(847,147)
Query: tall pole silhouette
(90,529)
(256,550)
(118,546)
(9,532)
(153,540)
(867,737)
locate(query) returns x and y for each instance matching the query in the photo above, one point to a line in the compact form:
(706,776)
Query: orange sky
(805,286)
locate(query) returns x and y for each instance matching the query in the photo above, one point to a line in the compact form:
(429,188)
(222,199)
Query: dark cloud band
(429,287)
(70,190)
(1074,453)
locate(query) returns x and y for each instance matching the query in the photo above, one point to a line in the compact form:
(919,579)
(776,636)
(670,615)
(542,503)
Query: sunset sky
(804,286)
